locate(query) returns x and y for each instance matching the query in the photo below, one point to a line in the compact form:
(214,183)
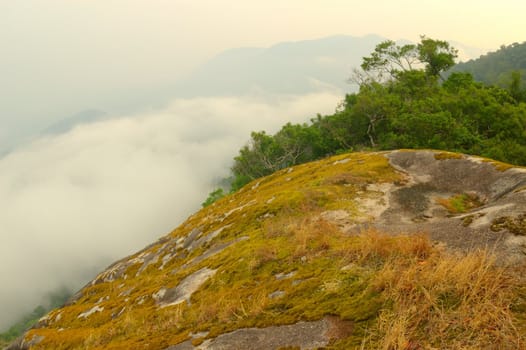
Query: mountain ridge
(302,252)
(496,67)
(288,67)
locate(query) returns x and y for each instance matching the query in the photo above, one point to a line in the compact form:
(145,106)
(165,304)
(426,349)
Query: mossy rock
(323,255)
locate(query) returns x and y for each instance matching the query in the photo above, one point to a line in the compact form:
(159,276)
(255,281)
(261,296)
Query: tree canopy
(503,67)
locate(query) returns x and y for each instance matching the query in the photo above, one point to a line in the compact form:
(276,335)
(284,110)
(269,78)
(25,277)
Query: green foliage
(460,203)
(265,154)
(213,196)
(239,180)
(23,324)
(437,55)
(389,60)
(504,68)
(516,90)
(54,300)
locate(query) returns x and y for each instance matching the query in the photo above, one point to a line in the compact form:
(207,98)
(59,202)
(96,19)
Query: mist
(71,204)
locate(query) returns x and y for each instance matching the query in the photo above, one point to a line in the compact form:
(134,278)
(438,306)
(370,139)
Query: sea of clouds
(70,204)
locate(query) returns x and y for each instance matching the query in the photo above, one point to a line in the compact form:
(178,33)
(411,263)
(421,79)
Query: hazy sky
(72,203)
(59,57)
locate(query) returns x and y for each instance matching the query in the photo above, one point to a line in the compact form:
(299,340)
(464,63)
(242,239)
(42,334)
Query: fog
(71,204)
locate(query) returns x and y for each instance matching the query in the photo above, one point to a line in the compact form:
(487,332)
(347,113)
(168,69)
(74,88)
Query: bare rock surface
(413,207)
(183,292)
(25,344)
(303,335)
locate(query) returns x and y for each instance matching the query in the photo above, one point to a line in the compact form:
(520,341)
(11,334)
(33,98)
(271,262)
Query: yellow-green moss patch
(460,203)
(448,155)
(500,166)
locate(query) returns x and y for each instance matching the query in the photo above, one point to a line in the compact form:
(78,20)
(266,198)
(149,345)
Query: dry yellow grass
(414,295)
(439,300)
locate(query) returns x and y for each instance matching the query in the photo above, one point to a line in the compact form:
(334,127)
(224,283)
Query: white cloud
(71,204)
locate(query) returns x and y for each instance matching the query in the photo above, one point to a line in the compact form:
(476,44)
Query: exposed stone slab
(305,335)
(413,206)
(173,296)
(91,311)
(25,344)
(216,249)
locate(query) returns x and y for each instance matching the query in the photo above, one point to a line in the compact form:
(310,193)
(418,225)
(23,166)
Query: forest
(409,97)
(500,67)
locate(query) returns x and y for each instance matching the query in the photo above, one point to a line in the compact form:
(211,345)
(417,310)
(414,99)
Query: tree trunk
(370,131)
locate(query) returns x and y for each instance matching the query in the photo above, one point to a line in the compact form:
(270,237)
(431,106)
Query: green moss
(461,203)
(500,166)
(448,155)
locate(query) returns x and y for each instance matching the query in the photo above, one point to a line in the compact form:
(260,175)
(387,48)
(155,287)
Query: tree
(387,60)
(292,144)
(494,68)
(437,55)
(374,104)
(515,89)
(213,196)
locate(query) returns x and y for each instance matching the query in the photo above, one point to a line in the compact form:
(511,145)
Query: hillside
(494,68)
(394,250)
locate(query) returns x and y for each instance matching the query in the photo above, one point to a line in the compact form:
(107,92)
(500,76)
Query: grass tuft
(460,203)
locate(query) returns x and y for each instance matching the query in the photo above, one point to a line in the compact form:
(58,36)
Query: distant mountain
(62,126)
(466,53)
(285,68)
(84,117)
(496,67)
(288,68)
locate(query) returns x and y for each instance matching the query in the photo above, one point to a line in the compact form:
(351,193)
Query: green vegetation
(460,203)
(55,300)
(503,68)
(214,196)
(23,324)
(404,101)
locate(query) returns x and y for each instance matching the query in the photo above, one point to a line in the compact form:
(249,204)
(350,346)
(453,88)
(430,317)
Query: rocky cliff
(393,250)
